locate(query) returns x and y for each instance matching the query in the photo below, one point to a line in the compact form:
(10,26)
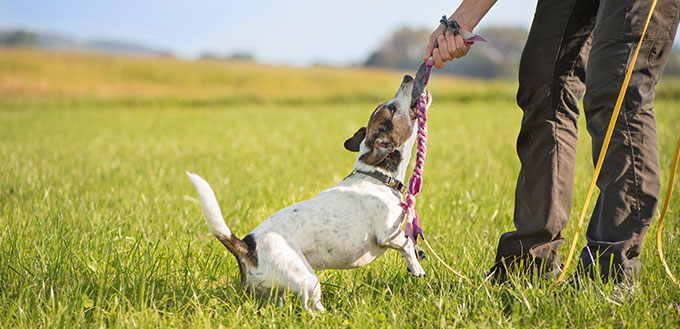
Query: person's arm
(468,15)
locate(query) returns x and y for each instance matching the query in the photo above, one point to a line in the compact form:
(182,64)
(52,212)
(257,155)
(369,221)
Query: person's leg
(629,182)
(551,75)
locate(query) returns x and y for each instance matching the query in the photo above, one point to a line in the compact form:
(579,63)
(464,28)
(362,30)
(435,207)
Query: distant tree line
(240,56)
(499,58)
(18,38)
(51,41)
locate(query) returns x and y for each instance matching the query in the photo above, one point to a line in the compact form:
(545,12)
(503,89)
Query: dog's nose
(407,78)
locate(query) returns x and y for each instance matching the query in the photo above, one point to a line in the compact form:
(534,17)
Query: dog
(346,226)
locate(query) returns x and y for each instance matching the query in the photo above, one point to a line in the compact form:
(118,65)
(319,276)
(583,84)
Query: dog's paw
(417,272)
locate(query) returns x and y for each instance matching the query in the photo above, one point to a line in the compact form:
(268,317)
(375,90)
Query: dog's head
(390,126)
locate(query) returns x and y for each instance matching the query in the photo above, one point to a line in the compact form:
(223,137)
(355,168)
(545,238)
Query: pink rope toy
(412,227)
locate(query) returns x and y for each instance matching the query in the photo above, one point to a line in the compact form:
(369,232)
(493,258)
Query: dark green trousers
(576,47)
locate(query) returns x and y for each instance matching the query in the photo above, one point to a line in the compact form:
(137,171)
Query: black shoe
(498,274)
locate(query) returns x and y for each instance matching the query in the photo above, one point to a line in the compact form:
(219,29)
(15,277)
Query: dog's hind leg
(309,290)
(407,250)
(316,298)
(294,273)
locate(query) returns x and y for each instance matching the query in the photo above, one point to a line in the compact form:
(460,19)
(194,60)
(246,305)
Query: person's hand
(450,47)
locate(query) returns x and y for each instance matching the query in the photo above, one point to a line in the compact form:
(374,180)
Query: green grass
(99,226)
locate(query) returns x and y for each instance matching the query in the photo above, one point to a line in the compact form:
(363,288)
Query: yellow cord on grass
(605,145)
(444,263)
(669,192)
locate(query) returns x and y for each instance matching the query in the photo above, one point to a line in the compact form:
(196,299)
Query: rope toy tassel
(412,228)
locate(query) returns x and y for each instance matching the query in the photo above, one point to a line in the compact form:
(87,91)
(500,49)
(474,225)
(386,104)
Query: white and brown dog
(346,226)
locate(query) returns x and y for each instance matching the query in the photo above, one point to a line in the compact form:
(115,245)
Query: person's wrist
(462,22)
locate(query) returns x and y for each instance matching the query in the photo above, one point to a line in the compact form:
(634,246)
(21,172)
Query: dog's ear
(381,149)
(352,143)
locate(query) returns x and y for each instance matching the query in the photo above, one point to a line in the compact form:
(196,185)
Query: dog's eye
(392,108)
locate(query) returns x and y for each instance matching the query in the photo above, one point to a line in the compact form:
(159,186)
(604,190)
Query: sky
(291,32)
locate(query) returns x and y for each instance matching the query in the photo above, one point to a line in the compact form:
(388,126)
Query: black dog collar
(385,179)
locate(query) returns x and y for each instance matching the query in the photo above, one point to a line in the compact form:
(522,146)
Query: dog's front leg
(406,248)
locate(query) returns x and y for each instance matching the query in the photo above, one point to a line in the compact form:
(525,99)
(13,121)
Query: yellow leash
(427,244)
(669,191)
(603,151)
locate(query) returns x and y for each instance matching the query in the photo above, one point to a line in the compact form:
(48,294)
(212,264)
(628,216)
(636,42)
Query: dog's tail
(216,224)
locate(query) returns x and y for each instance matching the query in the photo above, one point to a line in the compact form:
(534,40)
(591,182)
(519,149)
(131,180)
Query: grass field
(99,226)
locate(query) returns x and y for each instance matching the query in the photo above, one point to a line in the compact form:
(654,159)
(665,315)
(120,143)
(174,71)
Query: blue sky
(294,32)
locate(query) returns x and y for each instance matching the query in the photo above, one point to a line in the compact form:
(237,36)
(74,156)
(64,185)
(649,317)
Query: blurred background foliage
(499,58)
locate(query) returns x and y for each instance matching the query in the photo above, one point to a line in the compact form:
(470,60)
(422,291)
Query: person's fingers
(431,45)
(444,49)
(438,62)
(451,44)
(461,48)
